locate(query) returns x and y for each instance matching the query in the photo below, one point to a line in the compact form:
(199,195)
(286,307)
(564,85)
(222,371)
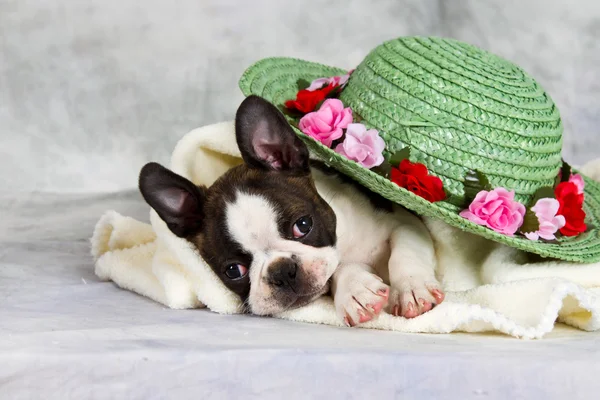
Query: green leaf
(384,169)
(396,158)
(290,112)
(334,93)
(319,104)
(558,179)
(531,223)
(545,192)
(565,172)
(475,181)
(302,84)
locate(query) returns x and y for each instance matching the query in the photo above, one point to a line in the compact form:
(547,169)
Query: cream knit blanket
(489,287)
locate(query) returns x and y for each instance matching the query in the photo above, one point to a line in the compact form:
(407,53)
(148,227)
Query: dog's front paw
(360,297)
(415,296)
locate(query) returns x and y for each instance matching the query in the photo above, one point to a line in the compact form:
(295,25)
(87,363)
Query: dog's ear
(266,140)
(175,199)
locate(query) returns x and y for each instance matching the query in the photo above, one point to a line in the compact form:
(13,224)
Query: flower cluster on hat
(546,211)
(415,178)
(570,198)
(362,145)
(553,211)
(308,99)
(327,120)
(496,209)
(333,122)
(327,123)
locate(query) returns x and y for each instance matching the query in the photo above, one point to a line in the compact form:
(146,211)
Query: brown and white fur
(280,230)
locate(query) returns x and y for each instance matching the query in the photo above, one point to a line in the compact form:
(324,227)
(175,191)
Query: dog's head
(262,227)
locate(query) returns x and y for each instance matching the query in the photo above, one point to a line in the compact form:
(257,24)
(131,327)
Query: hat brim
(275,79)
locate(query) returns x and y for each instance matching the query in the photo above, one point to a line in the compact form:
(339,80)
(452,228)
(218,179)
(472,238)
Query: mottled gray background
(90,90)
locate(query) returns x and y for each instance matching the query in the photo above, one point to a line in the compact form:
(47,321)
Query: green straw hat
(475,120)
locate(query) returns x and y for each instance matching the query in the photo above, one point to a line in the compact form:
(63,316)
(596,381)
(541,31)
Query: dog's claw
(415,297)
(348,321)
(438,295)
(364,316)
(424,306)
(410,311)
(361,297)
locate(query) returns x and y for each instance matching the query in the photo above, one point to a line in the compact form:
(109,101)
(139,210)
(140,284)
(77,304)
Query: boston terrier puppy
(281,230)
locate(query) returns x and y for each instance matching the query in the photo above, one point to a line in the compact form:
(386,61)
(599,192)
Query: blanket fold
(492,288)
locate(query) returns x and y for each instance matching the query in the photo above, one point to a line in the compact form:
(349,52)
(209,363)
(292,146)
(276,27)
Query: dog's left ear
(266,140)
(175,199)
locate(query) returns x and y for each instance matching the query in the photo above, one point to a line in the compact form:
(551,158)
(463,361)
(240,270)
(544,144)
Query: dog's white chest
(363,232)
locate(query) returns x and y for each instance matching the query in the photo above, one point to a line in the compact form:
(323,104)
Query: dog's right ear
(266,140)
(175,199)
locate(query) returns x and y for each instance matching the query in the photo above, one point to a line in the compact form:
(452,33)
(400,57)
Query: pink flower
(319,83)
(496,209)
(326,124)
(362,145)
(545,210)
(322,82)
(578,181)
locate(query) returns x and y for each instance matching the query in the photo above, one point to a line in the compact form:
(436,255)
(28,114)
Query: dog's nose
(283,272)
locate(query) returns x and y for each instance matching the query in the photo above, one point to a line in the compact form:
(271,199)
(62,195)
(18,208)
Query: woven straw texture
(458,108)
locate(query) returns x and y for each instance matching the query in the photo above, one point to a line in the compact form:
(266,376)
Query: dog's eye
(302,227)
(236,271)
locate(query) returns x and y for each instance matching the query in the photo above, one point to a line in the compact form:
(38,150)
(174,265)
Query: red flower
(414,177)
(571,207)
(306,100)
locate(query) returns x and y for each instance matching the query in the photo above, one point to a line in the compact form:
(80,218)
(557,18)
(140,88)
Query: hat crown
(459,108)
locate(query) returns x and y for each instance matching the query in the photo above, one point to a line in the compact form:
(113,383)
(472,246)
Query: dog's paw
(360,297)
(414,297)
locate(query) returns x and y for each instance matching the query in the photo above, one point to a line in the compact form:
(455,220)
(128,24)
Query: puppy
(280,230)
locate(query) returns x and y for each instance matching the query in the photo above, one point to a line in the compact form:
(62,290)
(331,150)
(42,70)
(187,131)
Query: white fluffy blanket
(489,287)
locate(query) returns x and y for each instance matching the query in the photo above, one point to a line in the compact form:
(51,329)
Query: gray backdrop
(90,90)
